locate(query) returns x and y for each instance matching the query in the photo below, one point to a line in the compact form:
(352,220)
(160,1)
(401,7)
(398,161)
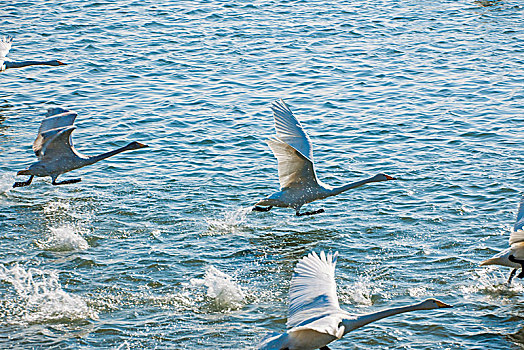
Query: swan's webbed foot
(518,261)
(325,348)
(24,183)
(511,275)
(66,182)
(310,212)
(257,208)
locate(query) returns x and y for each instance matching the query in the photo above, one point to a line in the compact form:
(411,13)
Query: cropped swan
(298,181)
(5,46)
(54,148)
(315,318)
(514,255)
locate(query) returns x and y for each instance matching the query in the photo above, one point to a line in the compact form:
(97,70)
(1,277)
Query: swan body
(315,318)
(514,255)
(54,148)
(298,180)
(5,46)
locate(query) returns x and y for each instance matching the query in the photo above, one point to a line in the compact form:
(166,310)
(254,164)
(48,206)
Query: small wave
(222,292)
(63,238)
(230,223)
(39,298)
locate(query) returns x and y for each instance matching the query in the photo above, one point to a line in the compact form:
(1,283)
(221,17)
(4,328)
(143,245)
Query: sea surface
(158,249)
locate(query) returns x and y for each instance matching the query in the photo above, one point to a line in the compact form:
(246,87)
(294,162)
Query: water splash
(59,209)
(360,292)
(493,284)
(39,298)
(417,292)
(56,207)
(124,346)
(64,238)
(229,223)
(6,183)
(222,293)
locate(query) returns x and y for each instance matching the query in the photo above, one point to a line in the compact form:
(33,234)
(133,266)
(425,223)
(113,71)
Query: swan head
(430,304)
(136,145)
(57,63)
(383,177)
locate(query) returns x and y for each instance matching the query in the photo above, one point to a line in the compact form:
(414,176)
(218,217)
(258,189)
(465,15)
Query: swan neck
(363,320)
(340,189)
(9,64)
(99,157)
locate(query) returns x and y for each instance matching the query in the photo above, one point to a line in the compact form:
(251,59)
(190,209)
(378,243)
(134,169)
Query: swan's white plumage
(294,170)
(5,46)
(57,144)
(518,230)
(58,121)
(54,148)
(313,291)
(290,131)
(315,318)
(516,241)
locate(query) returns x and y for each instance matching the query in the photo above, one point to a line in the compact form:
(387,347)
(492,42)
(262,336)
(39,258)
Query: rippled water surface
(157,248)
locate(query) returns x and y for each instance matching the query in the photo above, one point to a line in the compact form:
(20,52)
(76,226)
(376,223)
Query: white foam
(64,238)
(222,291)
(40,297)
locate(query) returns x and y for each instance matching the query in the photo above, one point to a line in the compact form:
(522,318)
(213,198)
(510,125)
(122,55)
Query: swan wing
(57,144)
(518,230)
(290,130)
(328,324)
(294,170)
(5,46)
(313,294)
(56,118)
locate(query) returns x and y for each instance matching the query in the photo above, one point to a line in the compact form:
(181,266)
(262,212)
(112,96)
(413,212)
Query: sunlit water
(157,248)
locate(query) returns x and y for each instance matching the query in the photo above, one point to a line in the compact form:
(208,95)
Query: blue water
(157,248)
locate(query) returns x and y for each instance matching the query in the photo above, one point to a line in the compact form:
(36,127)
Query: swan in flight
(298,181)
(54,148)
(5,46)
(315,318)
(514,255)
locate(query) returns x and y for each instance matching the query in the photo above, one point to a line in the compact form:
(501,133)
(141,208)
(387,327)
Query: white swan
(315,318)
(298,181)
(5,46)
(54,148)
(514,255)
